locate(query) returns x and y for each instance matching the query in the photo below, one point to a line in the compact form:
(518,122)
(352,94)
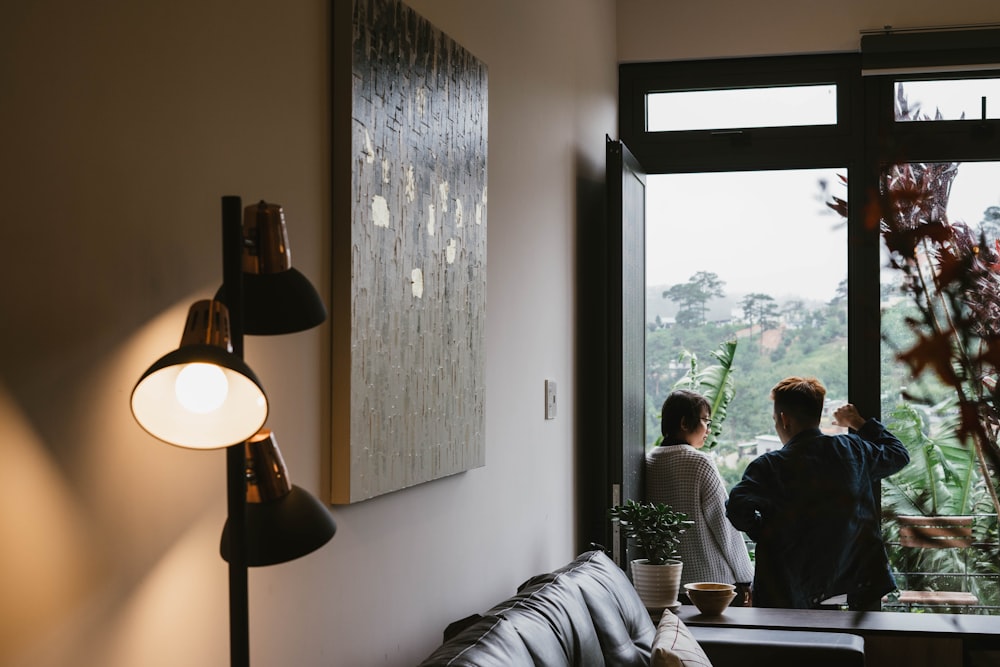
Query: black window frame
(865,138)
(800,147)
(753,148)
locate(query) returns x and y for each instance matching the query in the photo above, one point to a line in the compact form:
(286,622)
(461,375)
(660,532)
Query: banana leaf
(942,474)
(715,383)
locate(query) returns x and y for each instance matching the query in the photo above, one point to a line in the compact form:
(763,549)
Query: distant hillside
(719,310)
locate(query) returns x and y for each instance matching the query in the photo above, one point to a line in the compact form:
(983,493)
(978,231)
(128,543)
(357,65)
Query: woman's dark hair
(682,408)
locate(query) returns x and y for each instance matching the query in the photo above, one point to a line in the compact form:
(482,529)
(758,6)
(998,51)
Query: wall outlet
(550,399)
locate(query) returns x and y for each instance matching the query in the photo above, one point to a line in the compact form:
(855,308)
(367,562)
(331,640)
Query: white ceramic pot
(657,585)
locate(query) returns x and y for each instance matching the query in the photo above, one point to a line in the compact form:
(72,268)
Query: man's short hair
(681,407)
(800,398)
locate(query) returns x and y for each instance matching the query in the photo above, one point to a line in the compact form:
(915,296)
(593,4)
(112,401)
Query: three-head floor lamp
(204,396)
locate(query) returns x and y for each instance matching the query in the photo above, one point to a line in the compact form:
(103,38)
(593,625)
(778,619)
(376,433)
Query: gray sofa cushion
(490,641)
(585,613)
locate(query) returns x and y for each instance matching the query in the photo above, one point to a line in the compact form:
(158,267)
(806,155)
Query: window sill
(891,638)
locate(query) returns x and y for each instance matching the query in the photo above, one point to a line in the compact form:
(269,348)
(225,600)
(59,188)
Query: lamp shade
(201,395)
(283,521)
(278,299)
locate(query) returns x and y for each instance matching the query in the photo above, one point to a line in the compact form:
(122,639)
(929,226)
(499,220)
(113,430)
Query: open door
(626,233)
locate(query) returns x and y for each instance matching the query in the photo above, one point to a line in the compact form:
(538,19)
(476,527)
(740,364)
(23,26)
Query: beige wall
(122,124)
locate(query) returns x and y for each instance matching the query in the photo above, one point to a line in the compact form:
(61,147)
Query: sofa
(587,613)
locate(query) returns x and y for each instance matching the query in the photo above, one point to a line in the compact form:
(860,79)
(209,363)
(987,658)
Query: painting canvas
(409,269)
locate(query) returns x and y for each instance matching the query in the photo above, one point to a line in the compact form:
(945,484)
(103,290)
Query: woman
(678,475)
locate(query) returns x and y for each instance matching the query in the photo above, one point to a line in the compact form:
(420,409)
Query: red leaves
(934,351)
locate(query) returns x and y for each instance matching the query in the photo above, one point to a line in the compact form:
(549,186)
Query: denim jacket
(811,508)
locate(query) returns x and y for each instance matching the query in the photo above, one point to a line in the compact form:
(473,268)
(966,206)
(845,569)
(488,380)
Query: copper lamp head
(278,299)
(284,521)
(201,395)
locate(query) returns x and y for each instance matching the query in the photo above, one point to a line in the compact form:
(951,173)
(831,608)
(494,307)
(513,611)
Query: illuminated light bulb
(201,388)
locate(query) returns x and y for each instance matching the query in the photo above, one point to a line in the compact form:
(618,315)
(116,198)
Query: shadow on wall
(41,522)
(83,527)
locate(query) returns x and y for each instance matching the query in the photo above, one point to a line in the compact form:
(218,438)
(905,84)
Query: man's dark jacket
(810,507)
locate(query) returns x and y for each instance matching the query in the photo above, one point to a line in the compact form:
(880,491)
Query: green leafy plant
(941,479)
(714,382)
(654,528)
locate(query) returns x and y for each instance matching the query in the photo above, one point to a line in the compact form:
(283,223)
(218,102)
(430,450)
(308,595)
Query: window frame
(864,138)
(755,148)
(801,147)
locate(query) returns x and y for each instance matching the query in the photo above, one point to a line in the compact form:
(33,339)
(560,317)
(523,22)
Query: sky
(769,231)
(763,231)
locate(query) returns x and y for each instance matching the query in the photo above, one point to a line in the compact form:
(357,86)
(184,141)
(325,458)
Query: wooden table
(891,638)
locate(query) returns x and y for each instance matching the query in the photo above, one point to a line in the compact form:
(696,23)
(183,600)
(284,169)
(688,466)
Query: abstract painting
(409,269)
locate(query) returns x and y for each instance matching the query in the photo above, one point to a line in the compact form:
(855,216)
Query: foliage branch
(952,278)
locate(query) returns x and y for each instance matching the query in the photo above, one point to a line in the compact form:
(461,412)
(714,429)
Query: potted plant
(655,529)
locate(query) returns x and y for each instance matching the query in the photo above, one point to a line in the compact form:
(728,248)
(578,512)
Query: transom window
(779,106)
(949,99)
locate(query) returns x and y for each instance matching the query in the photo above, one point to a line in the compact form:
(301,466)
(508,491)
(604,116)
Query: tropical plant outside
(715,382)
(943,479)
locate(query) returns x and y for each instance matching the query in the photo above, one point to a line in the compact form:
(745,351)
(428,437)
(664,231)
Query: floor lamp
(204,396)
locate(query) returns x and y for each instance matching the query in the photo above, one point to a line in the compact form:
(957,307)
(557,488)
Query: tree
(762,309)
(795,312)
(990,225)
(693,297)
(840,296)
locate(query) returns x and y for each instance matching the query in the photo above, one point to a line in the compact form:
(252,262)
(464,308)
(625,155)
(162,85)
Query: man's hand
(848,415)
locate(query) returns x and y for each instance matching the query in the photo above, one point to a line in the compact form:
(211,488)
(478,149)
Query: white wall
(650,30)
(122,124)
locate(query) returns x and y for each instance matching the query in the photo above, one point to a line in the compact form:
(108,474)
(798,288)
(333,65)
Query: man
(810,506)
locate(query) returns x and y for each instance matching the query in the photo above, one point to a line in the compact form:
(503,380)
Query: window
(743,183)
(740,243)
(723,262)
(773,106)
(949,99)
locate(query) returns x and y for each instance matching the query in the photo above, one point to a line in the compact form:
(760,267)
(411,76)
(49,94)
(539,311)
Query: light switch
(550,399)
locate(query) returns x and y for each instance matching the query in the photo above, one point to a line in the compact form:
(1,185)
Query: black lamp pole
(239,600)
(289,522)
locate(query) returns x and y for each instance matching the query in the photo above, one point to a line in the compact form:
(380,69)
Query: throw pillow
(673,645)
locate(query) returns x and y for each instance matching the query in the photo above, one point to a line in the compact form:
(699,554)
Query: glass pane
(752,256)
(943,281)
(781,106)
(959,99)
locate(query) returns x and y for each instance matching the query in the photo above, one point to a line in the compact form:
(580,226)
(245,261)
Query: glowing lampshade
(201,395)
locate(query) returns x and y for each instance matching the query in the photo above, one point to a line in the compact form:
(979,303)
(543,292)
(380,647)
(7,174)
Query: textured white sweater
(688,481)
